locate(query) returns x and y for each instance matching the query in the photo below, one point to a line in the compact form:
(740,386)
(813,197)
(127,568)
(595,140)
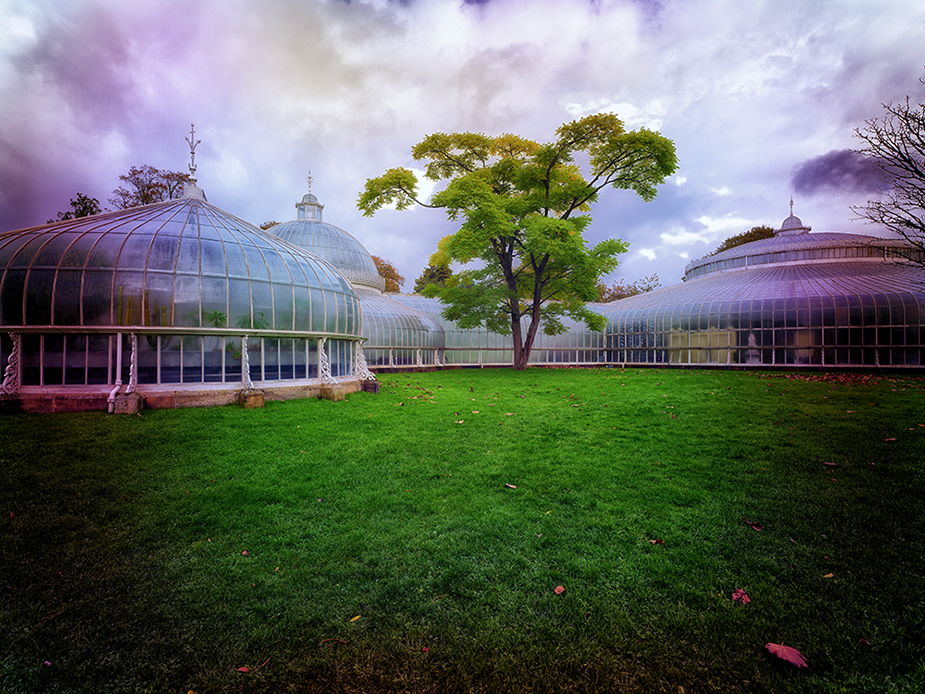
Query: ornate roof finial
(192,153)
(791,205)
(308,180)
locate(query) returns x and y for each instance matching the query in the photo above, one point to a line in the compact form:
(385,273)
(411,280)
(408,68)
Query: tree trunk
(523,346)
(521,356)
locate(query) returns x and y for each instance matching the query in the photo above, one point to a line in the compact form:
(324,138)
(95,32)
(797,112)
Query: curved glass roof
(332,243)
(783,281)
(799,248)
(179,263)
(388,323)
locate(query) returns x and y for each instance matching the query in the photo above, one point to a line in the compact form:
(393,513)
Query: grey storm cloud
(840,169)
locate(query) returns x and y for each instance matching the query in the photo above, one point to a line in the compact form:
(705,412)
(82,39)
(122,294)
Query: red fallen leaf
(753,526)
(863,642)
(740,596)
(889,439)
(245,553)
(559,590)
(243,669)
(791,655)
(656,542)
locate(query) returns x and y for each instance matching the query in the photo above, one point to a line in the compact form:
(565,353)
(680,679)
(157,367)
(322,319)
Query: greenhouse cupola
(792,226)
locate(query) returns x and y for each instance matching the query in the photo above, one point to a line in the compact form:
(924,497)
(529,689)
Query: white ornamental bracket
(133,365)
(419,360)
(324,364)
(362,368)
(245,366)
(12,375)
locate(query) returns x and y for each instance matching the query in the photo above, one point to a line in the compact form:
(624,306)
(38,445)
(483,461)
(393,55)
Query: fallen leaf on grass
(245,553)
(831,464)
(752,525)
(740,596)
(791,655)
(508,414)
(355,618)
(829,576)
(558,590)
(243,669)
(889,439)
(510,486)
(459,421)
(656,542)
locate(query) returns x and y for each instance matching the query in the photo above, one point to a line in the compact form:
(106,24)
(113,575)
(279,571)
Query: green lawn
(412,540)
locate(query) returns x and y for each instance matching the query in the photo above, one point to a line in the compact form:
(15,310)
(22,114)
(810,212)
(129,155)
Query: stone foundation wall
(130,403)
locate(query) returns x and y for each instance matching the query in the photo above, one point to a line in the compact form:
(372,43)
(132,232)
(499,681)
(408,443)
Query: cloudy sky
(760,97)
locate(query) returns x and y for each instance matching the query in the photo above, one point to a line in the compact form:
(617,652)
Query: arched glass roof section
(388,323)
(177,264)
(822,247)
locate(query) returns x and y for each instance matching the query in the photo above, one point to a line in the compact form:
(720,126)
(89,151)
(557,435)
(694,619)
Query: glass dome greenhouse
(170,297)
(797,299)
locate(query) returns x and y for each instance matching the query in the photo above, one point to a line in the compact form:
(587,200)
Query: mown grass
(445,510)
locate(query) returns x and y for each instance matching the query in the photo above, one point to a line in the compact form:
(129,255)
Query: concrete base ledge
(81,399)
(334,391)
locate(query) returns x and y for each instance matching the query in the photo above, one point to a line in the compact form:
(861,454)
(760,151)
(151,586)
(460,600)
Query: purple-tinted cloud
(841,170)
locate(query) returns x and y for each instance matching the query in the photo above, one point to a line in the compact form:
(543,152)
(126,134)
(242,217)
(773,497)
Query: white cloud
(724,225)
(679,236)
(651,116)
(722,192)
(648,253)
(679,180)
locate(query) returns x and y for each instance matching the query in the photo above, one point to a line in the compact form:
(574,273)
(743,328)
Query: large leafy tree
(896,146)
(81,206)
(145,184)
(523,208)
